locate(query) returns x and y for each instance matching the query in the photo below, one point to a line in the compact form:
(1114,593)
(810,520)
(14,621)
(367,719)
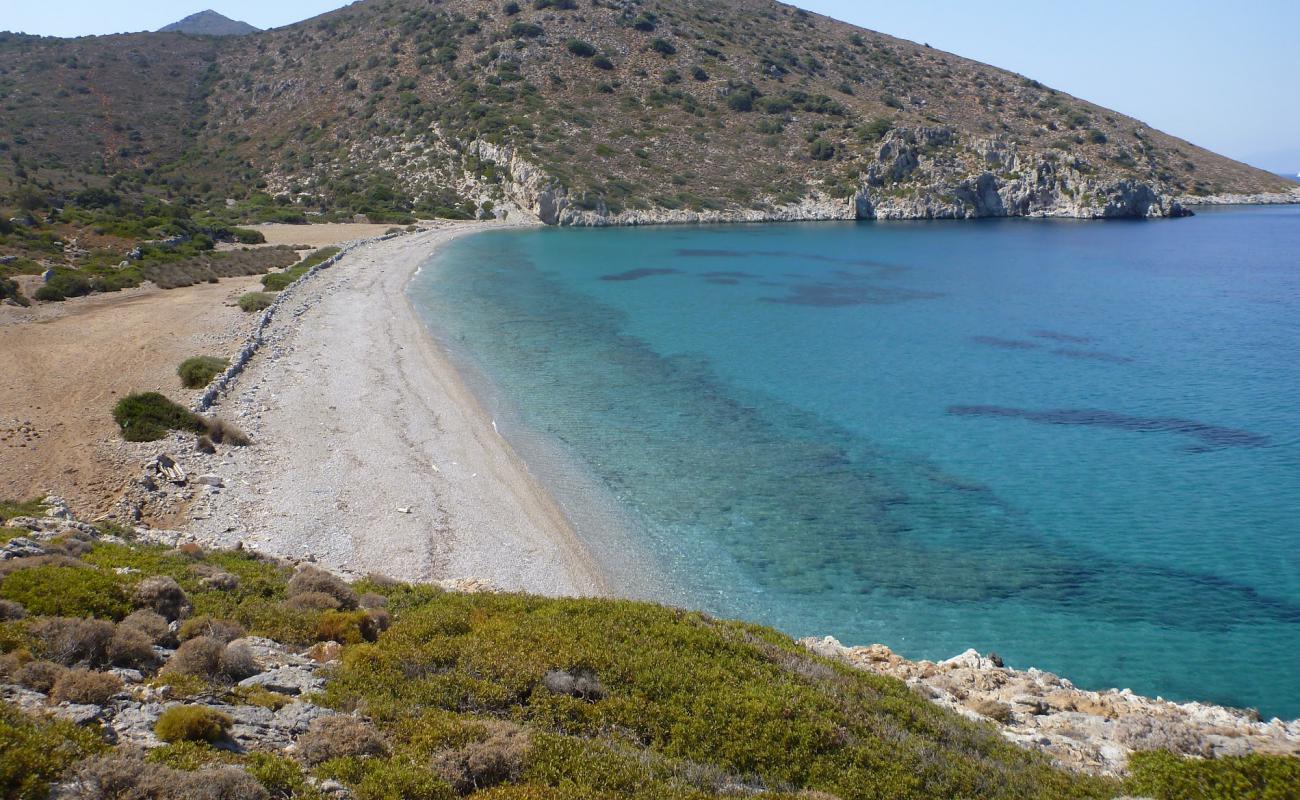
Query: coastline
(411,479)
(481,519)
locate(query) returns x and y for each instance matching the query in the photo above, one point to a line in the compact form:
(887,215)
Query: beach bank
(370,454)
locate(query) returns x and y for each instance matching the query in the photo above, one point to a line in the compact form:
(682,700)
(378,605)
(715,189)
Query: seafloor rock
(1091,731)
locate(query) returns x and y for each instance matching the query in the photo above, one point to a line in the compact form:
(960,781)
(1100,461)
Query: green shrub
(197,372)
(255,301)
(28,508)
(190,756)
(663,47)
(37,750)
(248,236)
(1166,776)
(149,417)
(279,775)
(525,30)
(62,285)
(681,686)
(580,48)
(602,62)
(192,724)
(9,291)
(387,779)
(65,591)
(277,281)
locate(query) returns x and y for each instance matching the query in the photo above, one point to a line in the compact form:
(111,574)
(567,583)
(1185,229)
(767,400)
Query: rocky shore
(1084,730)
(1266,199)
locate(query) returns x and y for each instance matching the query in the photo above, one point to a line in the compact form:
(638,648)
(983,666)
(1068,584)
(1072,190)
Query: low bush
(39,676)
(212,660)
(150,416)
(162,595)
(222,630)
(71,641)
(312,601)
(255,301)
(313,579)
(128,776)
(222,432)
(37,751)
(152,625)
(248,236)
(131,648)
(192,724)
(346,627)
(1165,776)
(197,372)
(9,610)
(66,591)
(339,736)
(495,758)
(85,687)
(580,48)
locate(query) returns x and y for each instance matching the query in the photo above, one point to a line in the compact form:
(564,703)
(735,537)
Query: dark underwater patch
(730,274)
(638,274)
(1210,435)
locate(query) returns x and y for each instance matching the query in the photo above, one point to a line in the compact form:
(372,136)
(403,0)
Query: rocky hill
(618,111)
(209,23)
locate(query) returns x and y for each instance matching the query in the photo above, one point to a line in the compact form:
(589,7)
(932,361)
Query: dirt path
(63,366)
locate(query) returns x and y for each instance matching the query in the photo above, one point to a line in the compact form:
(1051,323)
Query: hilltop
(209,23)
(609,112)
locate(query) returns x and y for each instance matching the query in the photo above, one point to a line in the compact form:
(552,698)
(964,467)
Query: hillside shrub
(151,624)
(85,687)
(9,611)
(602,63)
(255,301)
(38,750)
(192,724)
(525,30)
(248,236)
(580,48)
(39,676)
(149,416)
(62,285)
(663,47)
(198,371)
(313,579)
(339,736)
(1165,776)
(162,595)
(222,630)
(66,591)
(131,648)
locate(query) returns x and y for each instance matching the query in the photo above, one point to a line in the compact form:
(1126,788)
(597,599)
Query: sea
(1074,444)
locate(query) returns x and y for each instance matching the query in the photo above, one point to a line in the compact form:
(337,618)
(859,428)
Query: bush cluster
(198,371)
(149,416)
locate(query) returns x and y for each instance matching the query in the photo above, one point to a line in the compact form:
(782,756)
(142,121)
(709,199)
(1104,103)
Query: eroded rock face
(918,173)
(1091,731)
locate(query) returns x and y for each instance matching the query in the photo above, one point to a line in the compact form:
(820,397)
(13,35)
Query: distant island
(209,23)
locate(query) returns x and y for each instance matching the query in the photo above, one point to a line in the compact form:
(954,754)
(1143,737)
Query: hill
(276,682)
(209,23)
(627,112)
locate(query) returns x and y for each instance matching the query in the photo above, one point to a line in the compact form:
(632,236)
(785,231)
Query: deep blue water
(1076,444)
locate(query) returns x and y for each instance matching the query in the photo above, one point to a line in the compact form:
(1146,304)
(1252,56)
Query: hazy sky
(1221,75)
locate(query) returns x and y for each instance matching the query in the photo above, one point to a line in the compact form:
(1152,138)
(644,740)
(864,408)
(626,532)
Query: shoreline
(1090,731)
(411,479)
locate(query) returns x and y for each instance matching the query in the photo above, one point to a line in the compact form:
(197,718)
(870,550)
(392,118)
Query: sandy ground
(370,453)
(321,235)
(63,366)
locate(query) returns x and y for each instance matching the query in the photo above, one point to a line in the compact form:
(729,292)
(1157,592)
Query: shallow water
(1074,444)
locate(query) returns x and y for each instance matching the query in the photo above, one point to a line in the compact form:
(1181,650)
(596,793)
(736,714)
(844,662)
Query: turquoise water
(1074,444)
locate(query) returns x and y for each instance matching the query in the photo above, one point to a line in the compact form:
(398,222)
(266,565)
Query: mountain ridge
(627,112)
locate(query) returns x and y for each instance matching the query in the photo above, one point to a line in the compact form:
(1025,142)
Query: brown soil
(64,365)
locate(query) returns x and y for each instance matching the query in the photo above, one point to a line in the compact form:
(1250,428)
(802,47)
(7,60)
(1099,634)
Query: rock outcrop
(1084,730)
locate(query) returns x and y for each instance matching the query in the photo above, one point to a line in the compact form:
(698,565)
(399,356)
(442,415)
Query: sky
(1221,75)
